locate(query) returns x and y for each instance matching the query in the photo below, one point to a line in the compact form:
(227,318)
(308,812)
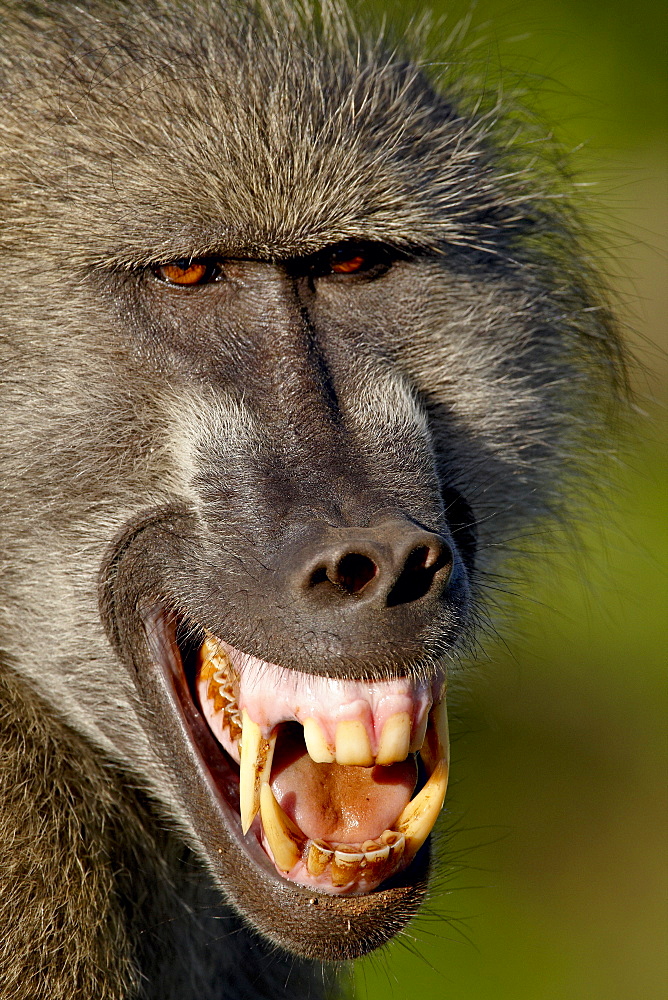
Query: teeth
(394,739)
(419,816)
(437,742)
(209,654)
(256,756)
(352,744)
(217,672)
(316,743)
(345,865)
(373,861)
(285,838)
(372,852)
(342,864)
(319,856)
(418,739)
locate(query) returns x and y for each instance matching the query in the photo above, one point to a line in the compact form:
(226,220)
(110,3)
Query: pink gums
(271,694)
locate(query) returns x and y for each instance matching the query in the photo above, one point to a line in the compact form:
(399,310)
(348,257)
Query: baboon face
(289,356)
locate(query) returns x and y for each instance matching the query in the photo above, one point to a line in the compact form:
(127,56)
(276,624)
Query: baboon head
(295,342)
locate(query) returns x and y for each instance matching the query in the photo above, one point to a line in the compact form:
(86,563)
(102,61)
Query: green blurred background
(554,872)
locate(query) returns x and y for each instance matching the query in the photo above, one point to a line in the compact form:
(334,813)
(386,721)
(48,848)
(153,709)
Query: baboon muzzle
(320,784)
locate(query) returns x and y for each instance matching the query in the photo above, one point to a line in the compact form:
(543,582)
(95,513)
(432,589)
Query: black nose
(389,564)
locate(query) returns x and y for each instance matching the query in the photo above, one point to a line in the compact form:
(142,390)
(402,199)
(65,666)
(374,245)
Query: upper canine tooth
(440,713)
(352,744)
(285,838)
(419,816)
(256,755)
(437,743)
(418,738)
(394,739)
(316,743)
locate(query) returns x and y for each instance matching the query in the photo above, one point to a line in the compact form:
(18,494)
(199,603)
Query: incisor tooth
(285,838)
(394,739)
(316,743)
(255,755)
(352,744)
(419,816)
(319,856)
(374,851)
(345,864)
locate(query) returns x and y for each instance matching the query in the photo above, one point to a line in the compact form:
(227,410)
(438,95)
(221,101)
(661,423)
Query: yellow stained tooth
(352,744)
(391,839)
(419,816)
(285,838)
(319,856)
(394,739)
(212,652)
(375,854)
(383,856)
(316,743)
(345,864)
(256,756)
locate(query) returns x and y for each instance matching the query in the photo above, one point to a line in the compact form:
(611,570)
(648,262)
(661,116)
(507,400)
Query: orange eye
(352,257)
(186,272)
(348,265)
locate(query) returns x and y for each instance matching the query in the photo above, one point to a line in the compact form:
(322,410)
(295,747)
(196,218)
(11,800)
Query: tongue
(337,803)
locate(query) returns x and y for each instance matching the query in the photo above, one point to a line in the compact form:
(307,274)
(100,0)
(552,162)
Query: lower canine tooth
(419,816)
(285,838)
(256,755)
(394,739)
(316,743)
(352,744)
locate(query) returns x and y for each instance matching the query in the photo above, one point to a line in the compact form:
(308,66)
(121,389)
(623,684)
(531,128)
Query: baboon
(298,337)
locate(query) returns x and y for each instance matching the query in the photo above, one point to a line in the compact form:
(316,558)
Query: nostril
(417,575)
(353,572)
(318,575)
(421,558)
(429,557)
(387,565)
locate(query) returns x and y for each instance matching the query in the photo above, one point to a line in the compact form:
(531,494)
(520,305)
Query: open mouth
(307,795)
(339,781)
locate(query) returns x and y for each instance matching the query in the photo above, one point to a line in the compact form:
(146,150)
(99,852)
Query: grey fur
(133,134)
